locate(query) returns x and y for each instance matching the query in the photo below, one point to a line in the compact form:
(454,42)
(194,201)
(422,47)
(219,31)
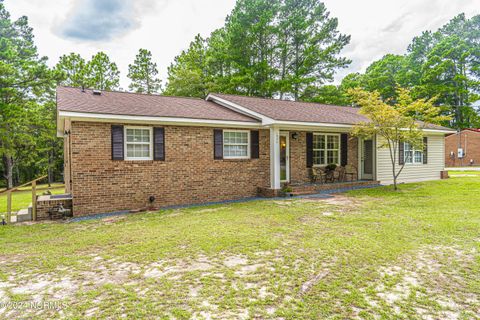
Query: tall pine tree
(23,78)
(143,73)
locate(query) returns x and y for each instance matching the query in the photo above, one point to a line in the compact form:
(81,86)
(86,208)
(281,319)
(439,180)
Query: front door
(284,157)
(367,159)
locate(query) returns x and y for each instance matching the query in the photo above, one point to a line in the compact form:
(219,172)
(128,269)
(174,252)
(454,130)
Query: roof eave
(102,117)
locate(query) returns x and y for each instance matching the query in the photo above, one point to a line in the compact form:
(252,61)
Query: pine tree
(102,74)
(143,73)
(310,46)
(24,76)
(73,70)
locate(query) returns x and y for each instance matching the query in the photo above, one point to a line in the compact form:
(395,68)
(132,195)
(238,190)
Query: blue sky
(166,27)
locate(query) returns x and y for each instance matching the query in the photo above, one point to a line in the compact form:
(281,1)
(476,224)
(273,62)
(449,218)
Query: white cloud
(99,20)
(166,27)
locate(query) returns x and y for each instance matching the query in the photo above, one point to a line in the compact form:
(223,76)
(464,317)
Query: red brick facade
(298,156)
(469,141)
(188,175)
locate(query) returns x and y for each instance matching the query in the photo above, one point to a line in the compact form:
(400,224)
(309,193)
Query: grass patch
(23,196)
(407,254)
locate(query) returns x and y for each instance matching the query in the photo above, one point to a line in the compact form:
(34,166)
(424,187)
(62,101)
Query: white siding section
(413,172)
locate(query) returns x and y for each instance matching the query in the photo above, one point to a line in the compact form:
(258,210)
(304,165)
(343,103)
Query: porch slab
(313,188)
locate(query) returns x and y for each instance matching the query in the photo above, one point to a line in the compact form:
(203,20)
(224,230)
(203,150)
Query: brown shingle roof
(284,110)
(124,103)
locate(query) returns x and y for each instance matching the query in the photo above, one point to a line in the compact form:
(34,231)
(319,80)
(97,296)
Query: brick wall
(470,142)
(298,156)
(189,173)
(47,204)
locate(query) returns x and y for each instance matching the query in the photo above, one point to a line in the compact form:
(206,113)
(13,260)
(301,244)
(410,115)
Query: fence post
(34,200)
(9,207)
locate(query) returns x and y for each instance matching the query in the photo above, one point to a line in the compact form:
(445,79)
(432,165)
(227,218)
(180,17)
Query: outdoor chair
(338,174)
(318,175)
(350,171)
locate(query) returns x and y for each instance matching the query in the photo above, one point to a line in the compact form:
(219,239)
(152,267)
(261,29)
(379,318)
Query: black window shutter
(401,153)
(159,144)
(425,150)
(254,144)
(343,149)
(309,149)
(217,144)
(117,142)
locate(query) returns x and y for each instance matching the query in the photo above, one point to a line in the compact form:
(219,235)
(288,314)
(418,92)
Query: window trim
(248,144)
(127,158)
(413,162)
(326,149)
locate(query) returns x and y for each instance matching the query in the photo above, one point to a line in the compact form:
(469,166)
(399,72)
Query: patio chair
(350,171)
(317,175)
(338,174)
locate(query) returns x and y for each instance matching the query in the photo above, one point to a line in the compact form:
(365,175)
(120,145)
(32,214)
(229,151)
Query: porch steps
(312,188)
(22,215)
(302,193)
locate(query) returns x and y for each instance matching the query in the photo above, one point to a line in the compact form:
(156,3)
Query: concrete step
(24,215)
(302,193)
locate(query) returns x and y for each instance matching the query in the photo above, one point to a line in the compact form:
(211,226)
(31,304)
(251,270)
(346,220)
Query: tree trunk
(8,175)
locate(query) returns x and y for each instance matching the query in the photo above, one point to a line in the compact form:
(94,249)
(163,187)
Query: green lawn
(372,253)
(23,197)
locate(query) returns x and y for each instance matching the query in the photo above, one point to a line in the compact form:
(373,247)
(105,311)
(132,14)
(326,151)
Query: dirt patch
(311,282)
(113,219)
(209,210)
(336,200)
(433,274)
(234,261)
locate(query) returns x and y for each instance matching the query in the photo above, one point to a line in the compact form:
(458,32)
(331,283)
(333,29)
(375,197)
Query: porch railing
(34,197)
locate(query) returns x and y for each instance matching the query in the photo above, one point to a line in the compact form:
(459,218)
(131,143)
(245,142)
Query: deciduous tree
(401,122)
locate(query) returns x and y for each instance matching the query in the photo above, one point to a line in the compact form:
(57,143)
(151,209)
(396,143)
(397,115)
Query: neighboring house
(463,148)
(126,151)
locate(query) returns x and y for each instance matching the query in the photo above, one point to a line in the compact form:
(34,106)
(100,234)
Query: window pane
(408,156)
(332,142)
(318,157)
(227,137)
(332,157)
(146,136)
(130,152)
(418,156)
(235,151)
(129,135)
(318,142)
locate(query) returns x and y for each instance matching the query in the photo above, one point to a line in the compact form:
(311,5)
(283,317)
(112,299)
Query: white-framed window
(410,155)
(326,149)
(236,144)
(138,143)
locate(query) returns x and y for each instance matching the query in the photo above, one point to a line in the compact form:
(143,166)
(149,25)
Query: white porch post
(275,158)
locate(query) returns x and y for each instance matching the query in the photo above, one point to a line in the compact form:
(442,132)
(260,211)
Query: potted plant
(331,167)
(286,189)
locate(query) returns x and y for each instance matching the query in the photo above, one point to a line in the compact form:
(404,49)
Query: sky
(166,27)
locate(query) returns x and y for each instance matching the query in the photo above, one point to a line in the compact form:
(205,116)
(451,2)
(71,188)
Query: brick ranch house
(126,151)
(463,148)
